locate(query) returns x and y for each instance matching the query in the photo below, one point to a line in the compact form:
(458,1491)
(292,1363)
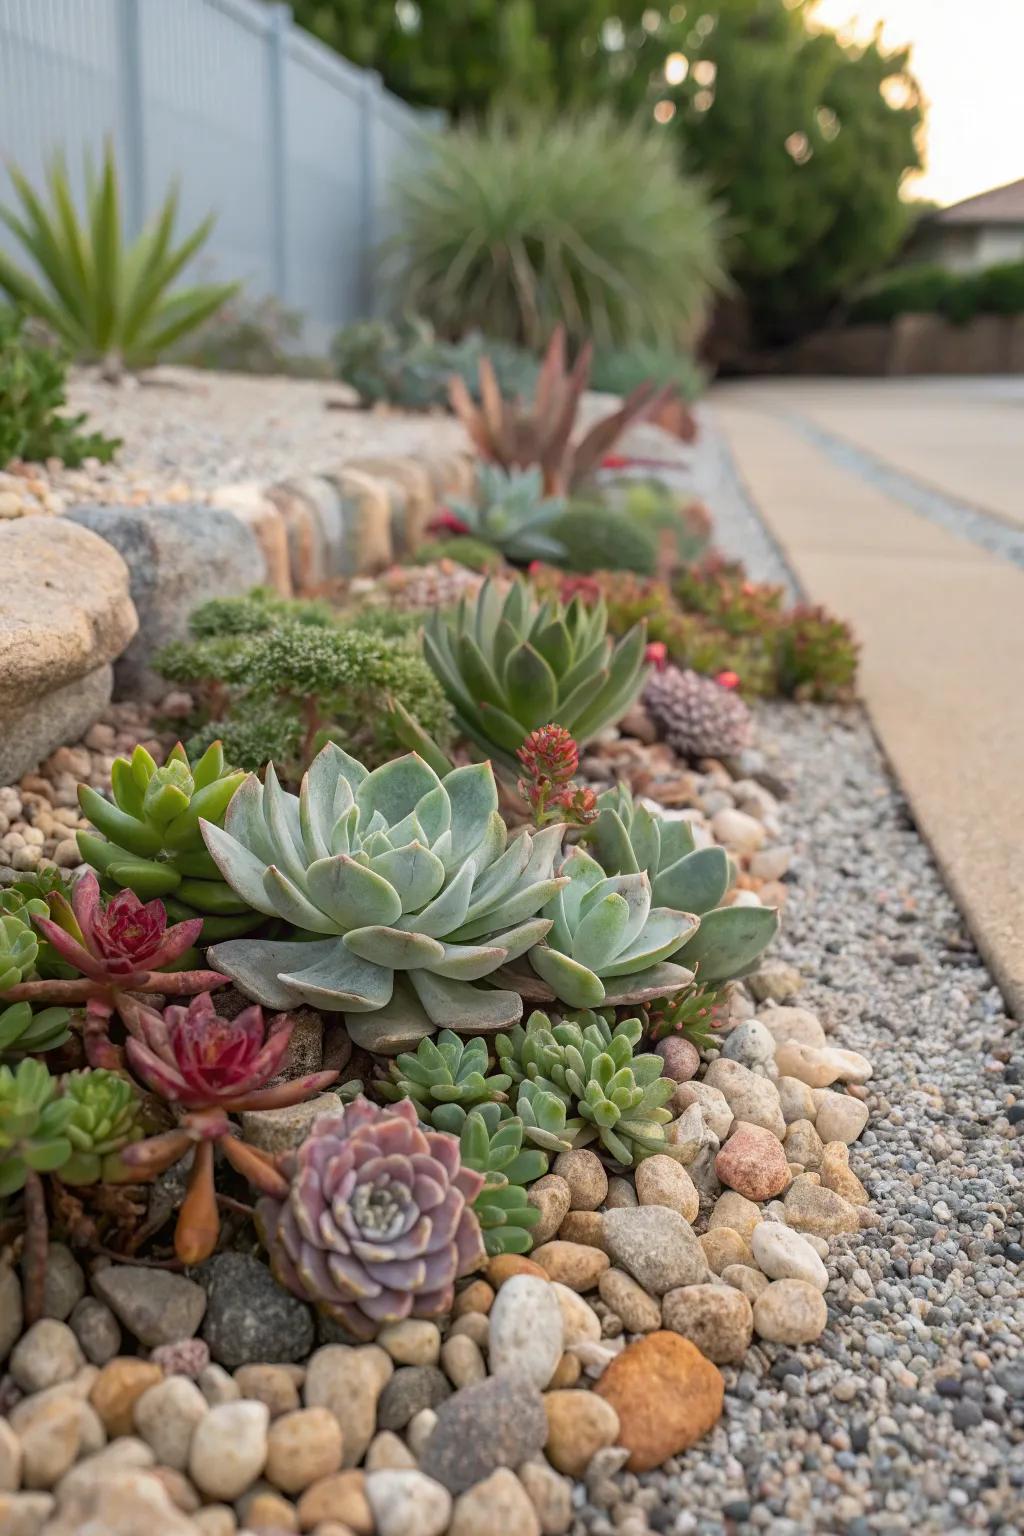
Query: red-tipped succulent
(447,522)
(206,1068)
(116,948)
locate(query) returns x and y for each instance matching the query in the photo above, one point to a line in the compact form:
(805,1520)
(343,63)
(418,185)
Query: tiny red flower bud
(656,652)
(728,679)
(616,461)
(550,753)
(447,522)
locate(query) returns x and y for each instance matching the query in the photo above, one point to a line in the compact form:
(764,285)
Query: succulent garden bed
(442,1096)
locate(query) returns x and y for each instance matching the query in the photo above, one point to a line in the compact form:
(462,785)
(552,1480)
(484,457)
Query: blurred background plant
(521,223)
(254,336)
(403,363)
(109,301)
(33,379)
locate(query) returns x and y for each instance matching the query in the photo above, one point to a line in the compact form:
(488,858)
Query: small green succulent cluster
(274,679)
(22,958)
(75,1126)
(510,664)
(628,838)
(610,1094)
(405,364)
(511,512)
(494,1147)
(151,843)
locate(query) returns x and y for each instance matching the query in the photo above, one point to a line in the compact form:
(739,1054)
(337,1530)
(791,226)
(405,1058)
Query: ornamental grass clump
(208,1068)
(376,1221)
(521,223)
(510,664)
(404,884)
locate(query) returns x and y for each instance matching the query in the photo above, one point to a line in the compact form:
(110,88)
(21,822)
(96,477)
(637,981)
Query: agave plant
(494,1147)
(628,838)
(514,436)
(208,1068)
(405,885)
(509,664)
(23,1032)
(113,950)
(613,1096)
(608,943)
(106,1117)
(108,301)
(376,1220)
(444,1072)
(510,512)
(151,842)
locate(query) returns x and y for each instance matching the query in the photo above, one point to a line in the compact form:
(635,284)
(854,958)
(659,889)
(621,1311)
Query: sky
(968,56)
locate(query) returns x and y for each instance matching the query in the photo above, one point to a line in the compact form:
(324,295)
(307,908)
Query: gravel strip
(985,529)
(908,1414)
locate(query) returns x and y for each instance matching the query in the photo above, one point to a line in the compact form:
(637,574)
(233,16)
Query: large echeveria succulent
(378,1222)
(628,837)
(407,880)
(607,942)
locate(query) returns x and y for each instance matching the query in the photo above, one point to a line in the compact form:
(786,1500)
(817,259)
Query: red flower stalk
(550,753)
(206,1067)
(575,804)
(447,522)
(656,652)
(117,948)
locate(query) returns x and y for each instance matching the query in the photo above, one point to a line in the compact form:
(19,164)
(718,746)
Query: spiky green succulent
(612,1096)
(608,943)
(19,946)
(512,513)
(494,1147)
(627,838)
(151,843)
(509,664)
(443,1072)
(33,1125)
(106,1116)
(23,1032)
(404,884)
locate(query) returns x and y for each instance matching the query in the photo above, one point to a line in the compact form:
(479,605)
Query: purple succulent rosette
(378,1223)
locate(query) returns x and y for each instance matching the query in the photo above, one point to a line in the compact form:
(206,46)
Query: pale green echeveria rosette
(403,886)
(608,943)
(627,838)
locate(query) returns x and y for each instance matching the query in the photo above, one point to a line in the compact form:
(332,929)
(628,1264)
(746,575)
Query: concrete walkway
(940,619)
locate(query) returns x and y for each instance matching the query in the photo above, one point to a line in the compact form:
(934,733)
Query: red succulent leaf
(283,1095)
(127,938)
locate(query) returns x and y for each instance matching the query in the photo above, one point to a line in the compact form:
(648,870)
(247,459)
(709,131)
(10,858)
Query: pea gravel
(908,1414)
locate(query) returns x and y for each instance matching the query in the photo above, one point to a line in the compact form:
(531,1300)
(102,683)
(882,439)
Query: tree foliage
(804,137)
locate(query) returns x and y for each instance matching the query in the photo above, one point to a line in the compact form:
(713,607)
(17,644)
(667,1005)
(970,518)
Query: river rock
(46,1355)
(639,1312)
(662,1180)
(156,1306)
(836,1174)
(838,1116)
(406,1503)
(714,1107)
(411,1389)
(821,1067)
(249,1317)
(125,1503)
(576,1265)
(797,1026)
(790,1312)
(723,1246)
(752,1098)
(775,981)
(803,1144)
(349,1382)
(301,1448)
(526,1332)
(752,1045)
(229,1449)
(656,1246)
(716,1318)
(753,1163)
(499,1423)
(586,1177)
(666,1395)
(166,1416)
(811,1208)
(551,1196)
(549,1493)
(746,1279)
(782,1254)
(96,1329)
(118,1387)
(342,1497)
(50,1431)
(796,1099)
(499,1506)
(11,1313)
(735,1211)
(413,1341)
(579,1425)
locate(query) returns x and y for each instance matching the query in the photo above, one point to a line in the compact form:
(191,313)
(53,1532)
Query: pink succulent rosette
(378,1221)
(115,944)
